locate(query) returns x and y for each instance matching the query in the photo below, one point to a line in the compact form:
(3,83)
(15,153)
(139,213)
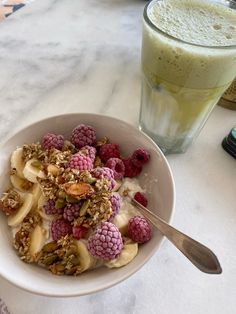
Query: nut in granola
(53,170)
(79,190)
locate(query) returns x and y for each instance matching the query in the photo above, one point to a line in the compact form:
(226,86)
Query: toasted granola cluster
(10,201)
(64,199)
(61,257)
(23,236)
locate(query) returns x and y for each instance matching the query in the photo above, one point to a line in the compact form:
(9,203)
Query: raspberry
(51,140)
(60,228)
(80,162)
(83,135)
(105,173)
(108,151)
(50,209)
(117,166)
(139,229)
(139,197)
(71,211)
(140,157)
(115,200)
(130,169)
(106,241)
(79,232)
(89,151)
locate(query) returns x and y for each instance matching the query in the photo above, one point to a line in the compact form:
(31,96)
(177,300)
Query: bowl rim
(146,259)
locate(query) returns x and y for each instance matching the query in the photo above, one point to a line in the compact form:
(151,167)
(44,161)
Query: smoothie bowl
(67,225)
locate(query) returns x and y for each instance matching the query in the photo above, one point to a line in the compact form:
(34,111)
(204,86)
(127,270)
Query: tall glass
(181,83)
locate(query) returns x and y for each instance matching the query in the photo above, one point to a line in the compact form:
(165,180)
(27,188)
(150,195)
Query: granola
(10,201)
(61,194)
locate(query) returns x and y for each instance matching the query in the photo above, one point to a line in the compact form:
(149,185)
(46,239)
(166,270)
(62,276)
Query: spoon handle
(202,257)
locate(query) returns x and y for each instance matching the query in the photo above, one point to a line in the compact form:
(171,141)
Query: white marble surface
(83,56)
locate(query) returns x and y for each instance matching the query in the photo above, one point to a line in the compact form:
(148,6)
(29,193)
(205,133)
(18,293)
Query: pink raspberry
(139,197)
(51,140)
(89,151)
(60,228)
(117,166)
(50,209)
(131,170)
(83,135)
(115,200)
(108,151)
(79,232)
(105,173)
(106,241)
(80,162)
(139,229)
(71,211)
(140,157)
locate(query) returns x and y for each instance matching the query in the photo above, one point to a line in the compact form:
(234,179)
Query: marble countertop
(84,56)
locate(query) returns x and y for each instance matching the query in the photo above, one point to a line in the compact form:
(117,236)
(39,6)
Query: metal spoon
(202,257)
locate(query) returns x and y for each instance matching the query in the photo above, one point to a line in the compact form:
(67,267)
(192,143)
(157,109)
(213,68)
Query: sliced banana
(36,191)
(46,225)
(41,201)
(126,212)
(45,216)
(86,260)
(17,161)
(129,251)
(31,172)
(37,240)
(18,182)
(121,221)
(117,186)
(15,219)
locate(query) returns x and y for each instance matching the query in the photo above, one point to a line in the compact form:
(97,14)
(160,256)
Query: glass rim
(155,28)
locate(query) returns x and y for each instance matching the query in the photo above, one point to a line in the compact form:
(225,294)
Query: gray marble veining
(60,56)
(68,42)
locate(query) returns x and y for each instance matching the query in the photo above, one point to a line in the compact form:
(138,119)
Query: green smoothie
(188,60)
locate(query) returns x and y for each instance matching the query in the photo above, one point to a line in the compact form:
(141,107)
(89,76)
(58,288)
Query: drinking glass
(181,83)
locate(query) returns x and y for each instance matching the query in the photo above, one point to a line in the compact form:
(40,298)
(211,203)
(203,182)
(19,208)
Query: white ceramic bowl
(159,182)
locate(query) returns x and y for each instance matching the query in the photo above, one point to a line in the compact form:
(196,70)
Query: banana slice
(18,182)
(36,191)
(126,212)
(86,260)
(121,221)
(117,186)
(31,172)
(128,253)
(45,216)
(17,161)
(37,240)
(15,219)
(41,201)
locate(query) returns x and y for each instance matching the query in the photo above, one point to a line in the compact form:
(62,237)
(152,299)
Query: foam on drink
(196,21)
